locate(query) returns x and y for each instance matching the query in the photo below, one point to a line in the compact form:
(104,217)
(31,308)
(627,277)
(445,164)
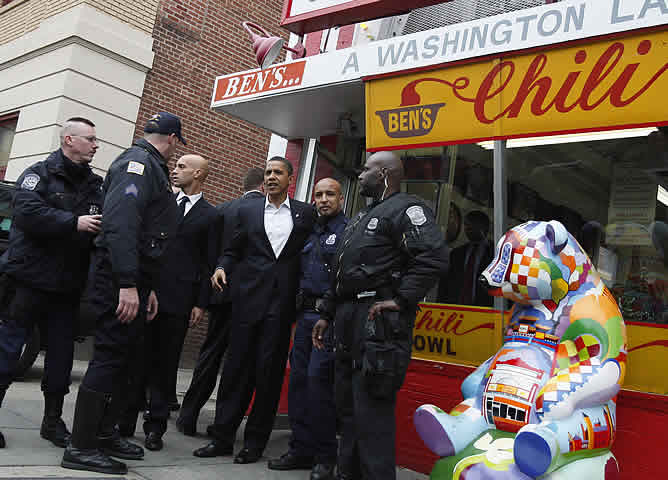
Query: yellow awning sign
(604,85)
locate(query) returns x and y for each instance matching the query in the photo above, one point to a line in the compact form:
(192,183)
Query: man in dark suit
(183,291)
(215,343)
(264,260)
(467,262)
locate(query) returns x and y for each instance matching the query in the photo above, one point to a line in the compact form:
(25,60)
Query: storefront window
(456,182)
(612,195)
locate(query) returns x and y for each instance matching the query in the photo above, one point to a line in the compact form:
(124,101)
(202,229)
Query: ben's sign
(259,81)
(450,333)
(609,84)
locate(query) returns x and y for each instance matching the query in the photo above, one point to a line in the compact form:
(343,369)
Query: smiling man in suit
(183,291)
(263,259)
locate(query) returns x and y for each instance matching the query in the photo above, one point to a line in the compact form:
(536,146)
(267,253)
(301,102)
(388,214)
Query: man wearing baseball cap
(139,216)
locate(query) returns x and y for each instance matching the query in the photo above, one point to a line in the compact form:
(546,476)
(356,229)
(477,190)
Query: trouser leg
(208,365)
(17,321)
(374,430)
(168,335)
(301,441)
(321,405)
(237,383)
(58,327)
(348,458)
(271,351)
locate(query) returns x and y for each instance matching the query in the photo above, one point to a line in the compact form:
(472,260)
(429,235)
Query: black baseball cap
(165,123)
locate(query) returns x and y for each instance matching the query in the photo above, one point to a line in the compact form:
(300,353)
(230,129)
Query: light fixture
(571,138)
(268,47)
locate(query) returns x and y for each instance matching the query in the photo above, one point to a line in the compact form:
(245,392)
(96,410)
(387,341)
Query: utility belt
(384,292)
(307,302)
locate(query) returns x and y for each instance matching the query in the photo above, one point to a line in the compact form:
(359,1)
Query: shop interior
(610,190)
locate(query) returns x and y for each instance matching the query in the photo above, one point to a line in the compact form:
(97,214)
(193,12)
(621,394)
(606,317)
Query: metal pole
(500,203)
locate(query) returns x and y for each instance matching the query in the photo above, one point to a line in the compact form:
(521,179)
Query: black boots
(83,453)
(109,438)
(53,427)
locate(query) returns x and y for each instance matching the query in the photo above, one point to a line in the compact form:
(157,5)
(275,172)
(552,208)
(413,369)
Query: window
(7,130)
(456,182)
(612,195)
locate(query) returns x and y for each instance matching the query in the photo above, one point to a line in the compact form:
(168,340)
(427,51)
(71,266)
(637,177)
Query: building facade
(119,62)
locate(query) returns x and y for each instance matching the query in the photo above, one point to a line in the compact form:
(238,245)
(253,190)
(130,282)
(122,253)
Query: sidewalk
(28,456)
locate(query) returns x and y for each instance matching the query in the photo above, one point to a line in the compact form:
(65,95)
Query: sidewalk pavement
(28,456)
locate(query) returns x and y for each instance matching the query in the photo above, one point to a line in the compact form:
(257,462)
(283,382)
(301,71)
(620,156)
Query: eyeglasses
(90,138)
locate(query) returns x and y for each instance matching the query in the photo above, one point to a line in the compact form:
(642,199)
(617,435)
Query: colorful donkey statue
(544,405)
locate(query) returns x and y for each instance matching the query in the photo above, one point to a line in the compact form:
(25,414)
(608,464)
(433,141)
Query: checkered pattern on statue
(576,362)
(525,275)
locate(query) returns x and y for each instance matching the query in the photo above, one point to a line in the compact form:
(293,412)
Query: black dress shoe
(213,449)
(153,441)
(92,460)
(54,430)
(116,446)
(290,461)
(323,471)
(186,427)
(248,455)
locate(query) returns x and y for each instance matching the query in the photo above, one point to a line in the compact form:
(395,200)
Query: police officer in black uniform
(391,254)
(311,405)
(139,216)
(57,208)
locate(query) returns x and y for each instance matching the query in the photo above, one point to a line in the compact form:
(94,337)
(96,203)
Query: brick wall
(194,41)
(22,16)
(138,13)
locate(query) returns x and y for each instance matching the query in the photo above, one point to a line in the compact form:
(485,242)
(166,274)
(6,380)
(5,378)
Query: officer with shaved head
(311,405)
(183,293)
(391,254)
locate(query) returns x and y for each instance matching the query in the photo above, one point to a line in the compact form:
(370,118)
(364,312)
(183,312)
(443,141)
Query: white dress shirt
(193,200)
(277,224)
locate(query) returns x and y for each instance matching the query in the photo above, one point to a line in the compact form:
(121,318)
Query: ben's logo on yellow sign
(411,121)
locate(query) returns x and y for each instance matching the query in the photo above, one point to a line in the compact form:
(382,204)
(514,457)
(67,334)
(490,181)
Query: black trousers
(119,347)
(365,406)
(208,364)
(56,314)
(164,343)
(256,360)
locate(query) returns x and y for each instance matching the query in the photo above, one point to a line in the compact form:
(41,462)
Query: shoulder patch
(416,214)
(136,168)
(30,181)
(132,190)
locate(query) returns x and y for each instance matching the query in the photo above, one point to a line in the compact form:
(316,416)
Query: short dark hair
(81,120)
(253,179)
(284,160)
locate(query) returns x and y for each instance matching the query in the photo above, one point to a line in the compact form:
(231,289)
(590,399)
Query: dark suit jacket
(189,261)
(450,288)
(227,213)
(249,260)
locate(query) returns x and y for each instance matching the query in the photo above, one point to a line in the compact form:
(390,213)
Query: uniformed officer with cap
(56,214)
(139,216)
(391,254)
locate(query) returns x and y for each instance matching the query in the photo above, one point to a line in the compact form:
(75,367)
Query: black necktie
(184,202)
